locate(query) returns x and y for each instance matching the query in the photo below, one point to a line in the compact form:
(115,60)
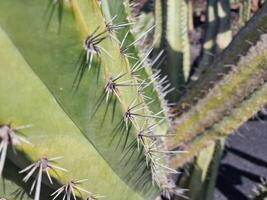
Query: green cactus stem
(224,127)
(171,35)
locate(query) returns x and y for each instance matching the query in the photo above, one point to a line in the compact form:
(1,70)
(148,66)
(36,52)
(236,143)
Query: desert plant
(85,112)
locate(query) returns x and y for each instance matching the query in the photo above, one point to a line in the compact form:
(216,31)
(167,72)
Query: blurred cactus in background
(125,99)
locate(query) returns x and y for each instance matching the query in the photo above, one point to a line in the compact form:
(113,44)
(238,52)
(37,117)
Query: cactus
(171,35)
(85,114)
(119,86)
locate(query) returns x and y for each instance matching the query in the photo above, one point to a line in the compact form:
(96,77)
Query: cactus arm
(63,83)
(224,127)
(53,132)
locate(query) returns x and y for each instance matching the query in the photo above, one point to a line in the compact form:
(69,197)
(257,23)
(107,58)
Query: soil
(244,163)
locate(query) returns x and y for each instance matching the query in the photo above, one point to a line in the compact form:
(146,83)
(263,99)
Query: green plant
(75,82)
